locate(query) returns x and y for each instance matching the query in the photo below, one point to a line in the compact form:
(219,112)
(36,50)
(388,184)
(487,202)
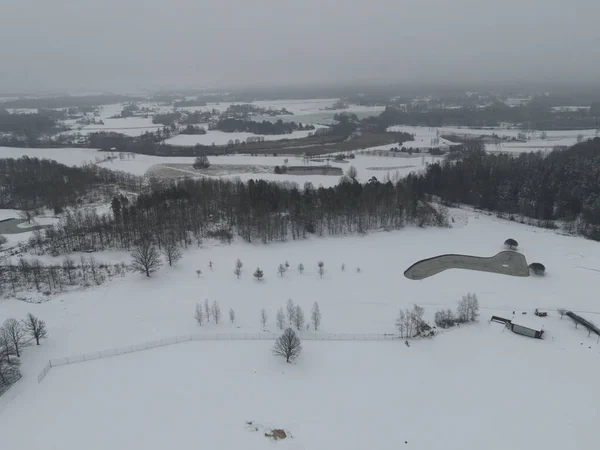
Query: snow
(218,137)
(423,137)
(533,323)
(338,394)
(534,138)
(131,126)
(352,395)
(67,156)
(9,214)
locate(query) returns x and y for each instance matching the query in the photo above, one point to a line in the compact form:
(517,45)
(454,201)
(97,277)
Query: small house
(525,328)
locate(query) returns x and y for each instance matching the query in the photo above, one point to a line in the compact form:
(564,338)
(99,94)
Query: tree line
(563,185)
(186,211)
(30,183)
(30,275)
(265,127)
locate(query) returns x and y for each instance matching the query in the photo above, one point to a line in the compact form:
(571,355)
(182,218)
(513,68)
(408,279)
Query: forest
(563,185)
(187,211)
(31,183)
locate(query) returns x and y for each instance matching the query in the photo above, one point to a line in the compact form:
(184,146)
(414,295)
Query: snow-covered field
(512,391)
(67,156)
(367,166)
(534,138)
(131,126)
(217,137)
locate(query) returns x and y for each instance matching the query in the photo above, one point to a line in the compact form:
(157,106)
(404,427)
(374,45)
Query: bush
(511,243)
(537,268)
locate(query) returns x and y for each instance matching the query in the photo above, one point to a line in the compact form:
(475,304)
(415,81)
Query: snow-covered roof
(528,323)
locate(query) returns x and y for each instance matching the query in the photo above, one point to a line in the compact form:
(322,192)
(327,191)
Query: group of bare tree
(467,311)
(293,315)
(47,278)
(204,313)
(14,337)
(410,321)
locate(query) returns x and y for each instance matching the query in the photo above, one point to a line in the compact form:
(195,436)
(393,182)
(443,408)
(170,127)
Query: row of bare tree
(293,315)
(33,274)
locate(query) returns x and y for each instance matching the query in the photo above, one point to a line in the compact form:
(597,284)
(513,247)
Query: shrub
(537,268)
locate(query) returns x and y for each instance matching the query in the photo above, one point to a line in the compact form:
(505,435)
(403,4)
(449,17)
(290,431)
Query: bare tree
(172,251)
(301,268)
(352,173)
(199,314)
(343,267)
(280,318)
(83,266)
(36,272)
(258,274)
(210,265)
(35,327)
(290,310)
(93,265)
(215,310)
(281,270)
(288,345)
(238,272)
(9,367)
(238,264)
(146,258)
(401,322)
(468,308)
(68,266)
(13,333)
(263,317)
(231,315)
(315,316)
(299,320)
(207,310)
(321,266)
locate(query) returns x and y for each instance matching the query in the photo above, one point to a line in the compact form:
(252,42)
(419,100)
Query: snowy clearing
(533,143)
(131,126)
(397,392)
(67,156)
(218,137)
(337,395)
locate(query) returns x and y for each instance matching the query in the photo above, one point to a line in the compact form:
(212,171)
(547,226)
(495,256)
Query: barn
(526,328)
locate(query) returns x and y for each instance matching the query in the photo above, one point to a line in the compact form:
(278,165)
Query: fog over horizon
(150,44)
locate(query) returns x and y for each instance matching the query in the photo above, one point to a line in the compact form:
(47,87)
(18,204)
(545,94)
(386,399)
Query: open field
(350,395)
(533,143)
(418,394)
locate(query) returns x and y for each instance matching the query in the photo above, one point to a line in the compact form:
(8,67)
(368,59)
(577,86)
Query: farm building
(520,326)
(525,328)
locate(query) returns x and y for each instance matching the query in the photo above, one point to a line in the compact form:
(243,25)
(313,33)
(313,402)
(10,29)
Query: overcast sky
(136,44)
